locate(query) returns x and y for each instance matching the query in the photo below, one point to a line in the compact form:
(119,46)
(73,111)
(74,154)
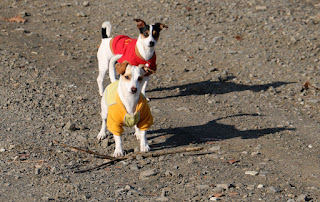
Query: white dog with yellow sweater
(123,104)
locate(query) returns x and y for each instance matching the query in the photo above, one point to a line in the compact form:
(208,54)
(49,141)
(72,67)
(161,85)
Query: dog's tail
(106,29)
(114,60)
(112,66)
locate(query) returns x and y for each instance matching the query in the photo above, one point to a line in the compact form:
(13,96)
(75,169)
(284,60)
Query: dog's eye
(145,34)
(127,77)
(140,78)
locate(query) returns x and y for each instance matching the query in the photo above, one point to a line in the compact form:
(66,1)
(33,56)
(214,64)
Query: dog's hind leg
(104,115)
(103,67)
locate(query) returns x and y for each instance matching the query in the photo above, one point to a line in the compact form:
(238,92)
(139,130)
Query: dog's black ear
(161,26)
(140,23)
(121,67)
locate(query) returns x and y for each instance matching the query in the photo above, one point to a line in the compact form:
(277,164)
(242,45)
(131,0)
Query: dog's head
(131,77)
(149,33)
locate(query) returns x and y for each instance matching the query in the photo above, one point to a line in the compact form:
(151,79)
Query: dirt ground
(229,80)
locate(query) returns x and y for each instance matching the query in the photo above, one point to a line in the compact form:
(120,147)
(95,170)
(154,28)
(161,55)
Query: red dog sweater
(125,46)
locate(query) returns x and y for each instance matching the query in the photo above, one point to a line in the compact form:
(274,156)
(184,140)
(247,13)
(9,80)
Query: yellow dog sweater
(118,116)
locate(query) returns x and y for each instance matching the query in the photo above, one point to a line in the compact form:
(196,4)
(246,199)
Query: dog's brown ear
(161,26)
(121,67)
(148,70)
(140,23)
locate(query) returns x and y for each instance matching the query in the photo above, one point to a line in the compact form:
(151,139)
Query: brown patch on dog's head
(148,70)
(121,67)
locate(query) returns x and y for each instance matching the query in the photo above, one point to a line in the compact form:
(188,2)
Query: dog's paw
(117,153)
(144,148)
(101,136)
(137,134)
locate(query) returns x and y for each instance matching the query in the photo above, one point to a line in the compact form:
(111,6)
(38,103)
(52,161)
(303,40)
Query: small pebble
(20,30)
(86,3)
(260,186)
(302,197)
(218,189)
(81,14)
(37,171)
(134,167)
(251,173)
(225,186)
(147,173)
(273,189)
(261,8)
(215,148)
(203,186)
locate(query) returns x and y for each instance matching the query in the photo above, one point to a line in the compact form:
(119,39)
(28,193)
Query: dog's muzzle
(133,90)
(151,43)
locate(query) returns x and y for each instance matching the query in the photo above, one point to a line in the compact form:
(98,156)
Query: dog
(134,51)
(123,104)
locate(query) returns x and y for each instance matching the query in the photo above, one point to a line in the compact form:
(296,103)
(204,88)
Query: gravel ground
(229,79)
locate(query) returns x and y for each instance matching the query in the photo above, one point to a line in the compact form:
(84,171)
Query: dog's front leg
(137,132)
(144,147)
(118,148)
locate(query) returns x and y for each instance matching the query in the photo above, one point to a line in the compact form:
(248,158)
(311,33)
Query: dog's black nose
(151,44)
(133,90)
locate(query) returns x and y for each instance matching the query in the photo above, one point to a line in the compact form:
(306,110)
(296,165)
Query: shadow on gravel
(211,131)
(215,87)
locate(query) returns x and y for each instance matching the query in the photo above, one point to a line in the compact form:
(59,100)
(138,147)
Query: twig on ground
(115,159)
(17,19)
(87,151)
(36,161)
(306,86)
(149,154)
(97,166)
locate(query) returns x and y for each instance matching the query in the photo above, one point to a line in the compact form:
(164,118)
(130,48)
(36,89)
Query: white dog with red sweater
(122,104)
(134,51)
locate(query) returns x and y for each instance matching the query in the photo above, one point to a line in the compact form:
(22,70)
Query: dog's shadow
(214,87)
(210,131)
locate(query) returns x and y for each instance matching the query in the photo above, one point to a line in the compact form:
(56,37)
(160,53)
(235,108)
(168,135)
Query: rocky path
(229,79)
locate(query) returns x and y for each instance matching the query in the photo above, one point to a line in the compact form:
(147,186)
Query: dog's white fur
(129,100)
(105,54)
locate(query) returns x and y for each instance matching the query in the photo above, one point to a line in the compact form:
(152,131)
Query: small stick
(37,161)
(154,154)
(182,150)
(306,85)
(132,156)
(97,166)
(115,159)
(17,19)
(87,151)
